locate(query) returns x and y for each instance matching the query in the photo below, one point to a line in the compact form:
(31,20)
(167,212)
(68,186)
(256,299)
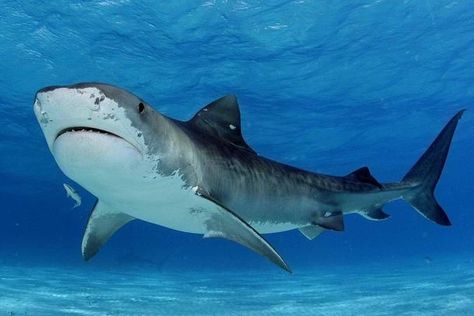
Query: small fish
(428,259)
(72,194)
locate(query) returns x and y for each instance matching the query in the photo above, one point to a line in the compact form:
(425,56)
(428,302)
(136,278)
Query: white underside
(114,169)
(126,182)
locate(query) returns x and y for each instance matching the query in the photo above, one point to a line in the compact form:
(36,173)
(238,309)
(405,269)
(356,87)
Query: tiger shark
(200,176)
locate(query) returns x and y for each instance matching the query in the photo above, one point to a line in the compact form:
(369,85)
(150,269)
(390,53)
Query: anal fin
(102,224)
(376,214)
(334,221)
(311,231)
(221,222)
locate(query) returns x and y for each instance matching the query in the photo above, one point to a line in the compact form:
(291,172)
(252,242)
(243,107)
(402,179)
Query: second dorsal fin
(363,175)
(221,119)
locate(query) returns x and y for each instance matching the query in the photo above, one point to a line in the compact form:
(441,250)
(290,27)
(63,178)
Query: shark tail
(424,175)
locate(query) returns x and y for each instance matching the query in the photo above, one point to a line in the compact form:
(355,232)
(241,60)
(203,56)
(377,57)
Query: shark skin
(200,176)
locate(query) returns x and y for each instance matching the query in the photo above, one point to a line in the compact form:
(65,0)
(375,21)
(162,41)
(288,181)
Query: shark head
(98,134)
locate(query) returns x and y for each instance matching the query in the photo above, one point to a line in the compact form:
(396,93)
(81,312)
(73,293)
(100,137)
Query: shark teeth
(85,130)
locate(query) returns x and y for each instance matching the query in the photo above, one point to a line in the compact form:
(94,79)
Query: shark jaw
(85,129)
(95,159)
(92,141)
(65,110)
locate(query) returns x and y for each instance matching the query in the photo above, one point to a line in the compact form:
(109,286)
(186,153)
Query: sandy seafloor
(422,287)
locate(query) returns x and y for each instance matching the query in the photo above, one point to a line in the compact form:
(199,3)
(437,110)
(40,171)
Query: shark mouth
(86,130)
(93,130)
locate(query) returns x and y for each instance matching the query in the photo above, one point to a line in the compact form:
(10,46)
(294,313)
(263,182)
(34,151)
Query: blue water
(324,86)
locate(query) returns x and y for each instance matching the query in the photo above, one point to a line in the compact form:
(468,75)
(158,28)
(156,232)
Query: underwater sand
(421,288)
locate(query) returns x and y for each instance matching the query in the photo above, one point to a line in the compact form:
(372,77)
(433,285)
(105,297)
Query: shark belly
(178,208)
(171,205)
(134,189)
(164,201)
(131,188)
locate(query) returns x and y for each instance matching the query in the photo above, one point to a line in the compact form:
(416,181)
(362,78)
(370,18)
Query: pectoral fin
(311,231)
(224,223)
(103,223)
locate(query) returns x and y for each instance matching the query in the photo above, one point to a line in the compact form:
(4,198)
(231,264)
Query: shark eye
(141,107)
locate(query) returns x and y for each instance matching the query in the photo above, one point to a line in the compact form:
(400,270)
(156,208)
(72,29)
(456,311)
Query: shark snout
(62,99)
(38,108)
(87,107)
(40,96)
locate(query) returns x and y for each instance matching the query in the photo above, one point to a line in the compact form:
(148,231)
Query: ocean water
(325,86)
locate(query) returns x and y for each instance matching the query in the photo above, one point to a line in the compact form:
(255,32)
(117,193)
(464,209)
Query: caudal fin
(424,175)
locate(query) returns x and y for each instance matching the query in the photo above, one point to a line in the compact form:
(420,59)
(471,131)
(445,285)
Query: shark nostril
(38,104)
(37,99)
(44,117)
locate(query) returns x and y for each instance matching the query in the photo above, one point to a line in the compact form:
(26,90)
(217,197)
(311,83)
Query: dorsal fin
(363,175)
(221,119)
